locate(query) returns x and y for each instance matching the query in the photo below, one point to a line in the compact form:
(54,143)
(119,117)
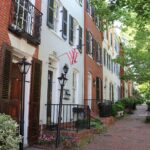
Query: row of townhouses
(50,34)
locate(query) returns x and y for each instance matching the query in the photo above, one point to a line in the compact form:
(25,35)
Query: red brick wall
(5,10)
(90,64)
(4,21)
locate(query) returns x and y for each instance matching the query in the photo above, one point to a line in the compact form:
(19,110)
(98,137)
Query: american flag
(72,55)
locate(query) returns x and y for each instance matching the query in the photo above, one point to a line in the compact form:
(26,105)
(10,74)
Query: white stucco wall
(54,46)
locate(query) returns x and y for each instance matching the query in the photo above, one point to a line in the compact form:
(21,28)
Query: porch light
(65,68)
(24,66)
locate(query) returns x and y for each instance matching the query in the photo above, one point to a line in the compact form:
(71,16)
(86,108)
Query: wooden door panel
(15,93)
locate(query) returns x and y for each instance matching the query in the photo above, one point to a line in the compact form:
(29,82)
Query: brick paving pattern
(129,133)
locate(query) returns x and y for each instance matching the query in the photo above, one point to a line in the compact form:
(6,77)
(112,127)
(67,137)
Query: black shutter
(64,24)
(93,48)
(5,70)
(87,42)
(93,13)
(70,30)
(34,108)
(97,89)
(87,6)
(97,52)
(50,14)
(100,57)
(80,40)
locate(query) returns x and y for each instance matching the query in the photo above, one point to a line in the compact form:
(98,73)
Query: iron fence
(74,117)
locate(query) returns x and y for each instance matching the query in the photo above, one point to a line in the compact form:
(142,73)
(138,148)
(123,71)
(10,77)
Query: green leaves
(9,137)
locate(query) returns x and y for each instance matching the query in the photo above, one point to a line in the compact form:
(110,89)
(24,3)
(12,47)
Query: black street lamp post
(62,80)
(24,68)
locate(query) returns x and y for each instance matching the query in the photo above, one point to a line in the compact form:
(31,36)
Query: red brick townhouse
(20,26)
(93,71)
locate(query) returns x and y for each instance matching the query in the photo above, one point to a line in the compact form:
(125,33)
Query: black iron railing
(74,117)
(26,20)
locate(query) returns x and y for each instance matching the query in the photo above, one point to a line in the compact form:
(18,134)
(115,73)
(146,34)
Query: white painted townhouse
(61,43)
(111,70)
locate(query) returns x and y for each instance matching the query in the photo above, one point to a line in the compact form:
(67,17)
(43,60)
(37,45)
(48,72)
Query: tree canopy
(134,16)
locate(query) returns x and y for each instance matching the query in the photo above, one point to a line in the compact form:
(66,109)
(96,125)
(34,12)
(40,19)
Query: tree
(130,12)
(135,18)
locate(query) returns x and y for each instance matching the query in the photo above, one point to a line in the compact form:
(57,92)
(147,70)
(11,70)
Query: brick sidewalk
(130,133)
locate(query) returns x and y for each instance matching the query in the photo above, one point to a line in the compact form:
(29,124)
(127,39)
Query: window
(98,89)
(97,22)
(107,61)
(94,47)
(88,42)
(53,14)
(88,6)
(50,15)
(104,56)
(99,54)
(80,40)
(64,24)
(25,18)
(71,30)
(79,2)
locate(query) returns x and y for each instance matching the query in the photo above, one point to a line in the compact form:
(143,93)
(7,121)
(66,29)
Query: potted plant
(119,109)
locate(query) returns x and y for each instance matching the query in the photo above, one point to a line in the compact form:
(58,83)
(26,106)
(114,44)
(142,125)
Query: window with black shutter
(93,13)
(88,6)
(93,48)
(97,89)
(50,14)
(87,42)
(107,61)
(104,57)
(70,30)
(80,40)
(99,54)
(64,24)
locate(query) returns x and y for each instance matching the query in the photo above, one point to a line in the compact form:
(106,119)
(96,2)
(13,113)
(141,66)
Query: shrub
(69,142)
(97,125)
(114,110)
(148,105)
(9,136)
(119,107)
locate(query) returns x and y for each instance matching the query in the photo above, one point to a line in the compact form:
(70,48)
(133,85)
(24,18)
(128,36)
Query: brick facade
(90,64)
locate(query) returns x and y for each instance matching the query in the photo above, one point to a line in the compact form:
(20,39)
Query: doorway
(49,96)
